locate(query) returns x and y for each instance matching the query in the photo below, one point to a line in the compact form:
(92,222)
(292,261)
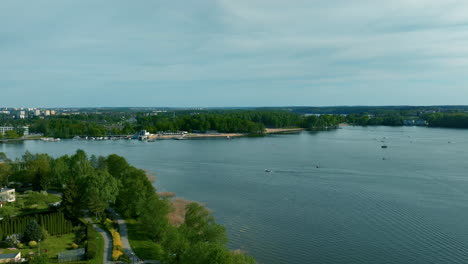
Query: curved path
(107,242)
(125,242)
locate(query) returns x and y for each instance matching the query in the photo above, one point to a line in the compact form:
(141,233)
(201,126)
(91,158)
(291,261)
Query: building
(412,122)
(47,112)
(22,114)
(25,129)
(12,257)
(37,112)
(7,195)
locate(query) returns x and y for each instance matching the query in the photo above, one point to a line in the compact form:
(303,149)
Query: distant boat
(384,146)
(267,170)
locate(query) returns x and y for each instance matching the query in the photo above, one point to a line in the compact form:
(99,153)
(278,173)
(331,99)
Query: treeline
(67,128)
(54,223)
(453,120)
(226,121)
(95,183)
(387,119)
(252,122)
(314,122)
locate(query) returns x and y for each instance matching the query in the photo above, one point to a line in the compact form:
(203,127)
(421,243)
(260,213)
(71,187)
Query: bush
(74,246)
(116,241)
(13,240)
(20,245)
(45,234)
(32,244)
(116,254)
(91,245)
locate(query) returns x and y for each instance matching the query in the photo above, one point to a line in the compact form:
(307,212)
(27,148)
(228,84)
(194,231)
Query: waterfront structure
(7,195)
(3,130)
(412,122)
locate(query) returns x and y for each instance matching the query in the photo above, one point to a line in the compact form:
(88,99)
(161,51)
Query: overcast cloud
(233,53)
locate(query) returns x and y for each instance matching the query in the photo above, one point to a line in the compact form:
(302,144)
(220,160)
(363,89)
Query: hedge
(91,246)
(55,224)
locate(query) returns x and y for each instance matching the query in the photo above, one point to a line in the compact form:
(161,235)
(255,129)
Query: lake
(332,197)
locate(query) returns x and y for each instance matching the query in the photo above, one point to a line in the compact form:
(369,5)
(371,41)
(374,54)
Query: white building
(3,130)
(7,195)
(11,258)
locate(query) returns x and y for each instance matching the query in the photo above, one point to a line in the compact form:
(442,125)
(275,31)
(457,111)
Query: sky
(215,53)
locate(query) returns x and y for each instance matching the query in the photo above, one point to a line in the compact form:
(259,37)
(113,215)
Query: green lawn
(52,244)
(144,247)
(99,252)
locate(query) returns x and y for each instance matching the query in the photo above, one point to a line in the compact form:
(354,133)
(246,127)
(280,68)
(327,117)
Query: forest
(96,183)
(227,121)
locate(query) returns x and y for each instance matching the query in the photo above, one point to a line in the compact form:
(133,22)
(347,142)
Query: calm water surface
(364,204)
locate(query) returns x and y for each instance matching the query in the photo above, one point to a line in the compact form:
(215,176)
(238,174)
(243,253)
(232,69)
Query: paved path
(125,243)
(107,242)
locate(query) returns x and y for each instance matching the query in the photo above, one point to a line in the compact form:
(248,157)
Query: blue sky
(233,52)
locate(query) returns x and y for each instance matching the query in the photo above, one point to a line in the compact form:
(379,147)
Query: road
(107,259)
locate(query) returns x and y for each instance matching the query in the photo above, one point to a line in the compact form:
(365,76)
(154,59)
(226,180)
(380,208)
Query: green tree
(134,193)
(116,165)
(205,253)
(11,134)
(5,172)
(33,231)
(101,189)
(71,199)
(8,211)
(200,226)
(154,221)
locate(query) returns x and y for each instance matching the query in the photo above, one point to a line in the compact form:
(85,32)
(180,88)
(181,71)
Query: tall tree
(101,189)
(154,218)
(72,199)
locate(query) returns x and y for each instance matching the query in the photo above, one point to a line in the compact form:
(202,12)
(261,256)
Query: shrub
(91,245)
(33,231)
(108,224)
(74,246)
(13,240)
(20,245)
(116,241)
(32,243)
(116,254)
(45,234)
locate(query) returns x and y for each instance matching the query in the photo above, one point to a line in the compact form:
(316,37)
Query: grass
(99,252)
(144,247)
(53,245)
(33,202)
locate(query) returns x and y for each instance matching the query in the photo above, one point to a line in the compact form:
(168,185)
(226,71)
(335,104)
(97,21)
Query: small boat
(384,146)
(267,170)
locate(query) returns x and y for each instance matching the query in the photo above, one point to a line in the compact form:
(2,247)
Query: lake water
(363,204)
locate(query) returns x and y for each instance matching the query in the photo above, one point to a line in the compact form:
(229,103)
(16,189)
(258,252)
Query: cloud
(298,49)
